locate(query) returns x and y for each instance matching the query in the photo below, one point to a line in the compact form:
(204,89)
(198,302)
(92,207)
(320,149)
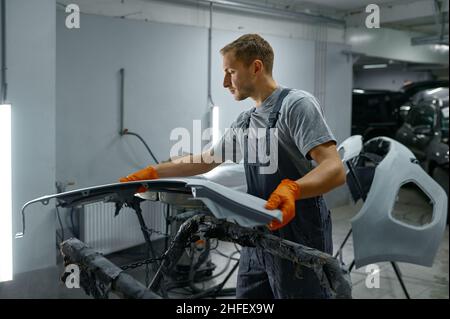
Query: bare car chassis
(99,276)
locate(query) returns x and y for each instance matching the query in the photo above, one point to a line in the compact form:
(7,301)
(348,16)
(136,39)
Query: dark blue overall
(262,275)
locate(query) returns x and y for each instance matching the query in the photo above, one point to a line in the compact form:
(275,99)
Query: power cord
(60,236)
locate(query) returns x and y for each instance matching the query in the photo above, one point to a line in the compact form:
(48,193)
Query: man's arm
(181,167)
(187,166)
(328,174)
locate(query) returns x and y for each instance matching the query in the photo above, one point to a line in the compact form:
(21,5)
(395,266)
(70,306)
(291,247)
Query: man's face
(238,78)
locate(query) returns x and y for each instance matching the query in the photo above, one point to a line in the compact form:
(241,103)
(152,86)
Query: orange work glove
(143,174)
(283,197)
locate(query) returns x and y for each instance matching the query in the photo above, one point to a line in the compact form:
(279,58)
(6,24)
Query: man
(294,119)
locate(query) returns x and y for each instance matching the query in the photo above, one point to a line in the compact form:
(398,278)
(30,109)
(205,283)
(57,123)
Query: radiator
(105,233)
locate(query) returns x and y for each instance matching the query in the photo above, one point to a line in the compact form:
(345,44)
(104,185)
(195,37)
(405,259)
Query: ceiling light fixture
(374,66)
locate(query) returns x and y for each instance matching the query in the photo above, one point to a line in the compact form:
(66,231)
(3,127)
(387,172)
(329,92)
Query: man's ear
(258,66)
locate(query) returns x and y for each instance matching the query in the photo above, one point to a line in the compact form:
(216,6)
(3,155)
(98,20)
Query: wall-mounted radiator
(100,230)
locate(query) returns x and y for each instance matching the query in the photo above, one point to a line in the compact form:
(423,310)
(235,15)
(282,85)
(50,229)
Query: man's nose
(226,81)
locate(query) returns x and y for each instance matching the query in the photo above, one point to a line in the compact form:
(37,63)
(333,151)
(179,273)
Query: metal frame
(232,211)
(99,276)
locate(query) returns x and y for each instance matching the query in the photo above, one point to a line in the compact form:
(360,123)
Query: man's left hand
(283,198)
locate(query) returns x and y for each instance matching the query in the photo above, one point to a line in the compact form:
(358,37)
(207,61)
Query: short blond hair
(249,48)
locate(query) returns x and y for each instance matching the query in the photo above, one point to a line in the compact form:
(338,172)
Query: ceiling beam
(261,9)
(440,37)
(392,13)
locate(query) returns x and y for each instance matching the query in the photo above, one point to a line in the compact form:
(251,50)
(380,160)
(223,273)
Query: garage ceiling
(426,25)
(340,5)
(363,60)
(419,21)
(407,15)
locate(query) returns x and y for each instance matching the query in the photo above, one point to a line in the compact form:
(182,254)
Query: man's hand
(143,174)
(284,197)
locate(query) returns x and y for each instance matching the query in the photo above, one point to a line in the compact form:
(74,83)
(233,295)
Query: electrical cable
(216,289)
(195,291)
(225,255)
(75,231)
(126,132)
(217,244)
(60,224)
(168,222)
(201,259)
(226,265)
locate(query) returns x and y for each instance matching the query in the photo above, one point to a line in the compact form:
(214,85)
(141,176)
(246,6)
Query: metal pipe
(122,98)
(105,272)
(4,85)
(124,131)
(438,18)
(260,9)
(210,100)
(356,180)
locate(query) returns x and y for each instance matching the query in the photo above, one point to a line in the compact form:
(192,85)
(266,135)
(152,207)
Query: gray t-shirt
(300,127)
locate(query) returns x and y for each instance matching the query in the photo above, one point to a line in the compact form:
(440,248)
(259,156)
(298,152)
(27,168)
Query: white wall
(338,88)
(166,74)
(387,79)
(338,106)
(31,79)
(166,87)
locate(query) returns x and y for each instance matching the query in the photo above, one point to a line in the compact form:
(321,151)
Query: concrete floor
(421,282)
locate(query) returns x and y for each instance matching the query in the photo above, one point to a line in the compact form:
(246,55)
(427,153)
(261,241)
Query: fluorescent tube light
(374,66)
(6,270)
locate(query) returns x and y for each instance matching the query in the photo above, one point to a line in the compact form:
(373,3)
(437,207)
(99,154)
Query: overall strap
(273,117)
(247,118)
